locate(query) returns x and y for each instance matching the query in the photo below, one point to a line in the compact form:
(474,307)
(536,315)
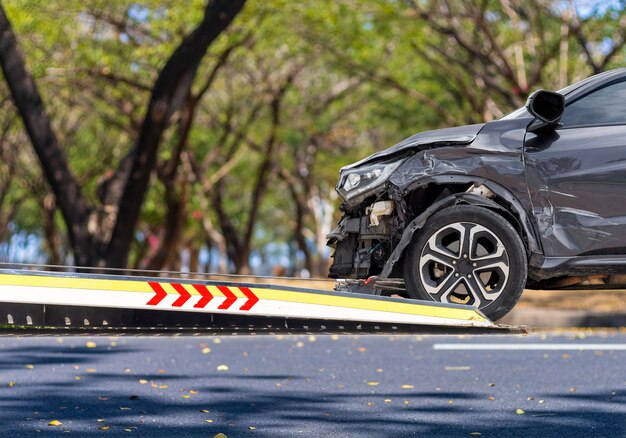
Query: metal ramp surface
(39,302)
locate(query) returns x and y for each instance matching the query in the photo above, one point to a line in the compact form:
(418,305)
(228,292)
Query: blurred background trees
(194,143)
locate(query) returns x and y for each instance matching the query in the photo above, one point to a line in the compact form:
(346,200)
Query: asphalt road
(282,386)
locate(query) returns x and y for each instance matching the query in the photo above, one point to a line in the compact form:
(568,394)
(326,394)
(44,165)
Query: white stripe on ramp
(536,346)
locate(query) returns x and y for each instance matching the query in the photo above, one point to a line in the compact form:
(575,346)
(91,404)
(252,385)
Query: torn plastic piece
(481,190)
(378,209)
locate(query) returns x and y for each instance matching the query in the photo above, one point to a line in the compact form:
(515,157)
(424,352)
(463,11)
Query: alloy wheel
(464,263)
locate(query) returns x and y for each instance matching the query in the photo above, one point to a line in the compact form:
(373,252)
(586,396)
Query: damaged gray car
(475,214)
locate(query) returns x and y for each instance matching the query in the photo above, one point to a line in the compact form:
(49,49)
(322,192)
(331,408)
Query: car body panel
(565,187)
(577,182)
(458,135)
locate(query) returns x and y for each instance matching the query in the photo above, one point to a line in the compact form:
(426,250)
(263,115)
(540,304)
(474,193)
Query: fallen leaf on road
(379,370)
(91,370)
(407,387)
(520,411)
(29,366)
(492,398)
(143,381)
(11,384)
(220,435)
(542,401)
(55,423)
(185,396)
(103,398)
(204,411)
(222,368)
(251,427)
(100,420)
(206,350)
(373,383)
(163,386)
(191,391)
(361,349)
(312,338)
(387,400)
(460,368)
(492,384)
(572,389)
(123,408)
(217,341)
(103,428)
(209,421)
(90,344)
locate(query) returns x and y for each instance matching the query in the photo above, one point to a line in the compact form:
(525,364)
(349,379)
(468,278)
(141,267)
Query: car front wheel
(467,255)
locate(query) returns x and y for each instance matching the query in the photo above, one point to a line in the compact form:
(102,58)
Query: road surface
(330,386)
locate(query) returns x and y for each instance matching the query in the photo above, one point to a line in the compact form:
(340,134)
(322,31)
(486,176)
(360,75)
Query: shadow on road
(173,404)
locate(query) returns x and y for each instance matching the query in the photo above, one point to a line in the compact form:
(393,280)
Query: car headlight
(355,182)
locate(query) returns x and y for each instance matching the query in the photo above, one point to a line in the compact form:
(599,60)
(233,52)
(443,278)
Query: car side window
(606,106)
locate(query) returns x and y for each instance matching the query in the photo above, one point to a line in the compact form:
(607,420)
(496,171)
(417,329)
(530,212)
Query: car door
(576,175)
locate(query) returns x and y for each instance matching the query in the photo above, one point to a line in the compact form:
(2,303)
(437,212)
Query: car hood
(461,135)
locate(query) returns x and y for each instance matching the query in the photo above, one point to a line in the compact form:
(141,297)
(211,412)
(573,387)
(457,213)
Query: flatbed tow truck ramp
(60,303)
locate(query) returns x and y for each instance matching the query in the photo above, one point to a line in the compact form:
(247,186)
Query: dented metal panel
(577,181)
(563,188)
(446,136)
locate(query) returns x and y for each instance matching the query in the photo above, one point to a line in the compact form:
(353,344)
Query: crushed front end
(372,223)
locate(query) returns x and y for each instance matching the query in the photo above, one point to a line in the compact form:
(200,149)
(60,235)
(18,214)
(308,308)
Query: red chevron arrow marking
(159,294)
(184,295)
(230,298)
(252,299)
(206,296)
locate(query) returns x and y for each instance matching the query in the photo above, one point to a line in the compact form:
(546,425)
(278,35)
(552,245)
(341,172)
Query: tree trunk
(51,232)
(71,201)
(124,193)
(169,93)
(174,223)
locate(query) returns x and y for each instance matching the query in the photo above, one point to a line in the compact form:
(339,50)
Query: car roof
(593,81)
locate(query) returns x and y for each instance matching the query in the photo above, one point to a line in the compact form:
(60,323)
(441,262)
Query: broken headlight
(356,182)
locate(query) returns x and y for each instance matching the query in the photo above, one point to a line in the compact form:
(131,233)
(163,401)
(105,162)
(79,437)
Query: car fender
(416,224)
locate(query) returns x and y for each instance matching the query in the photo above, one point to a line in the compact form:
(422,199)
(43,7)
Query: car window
(606,106)
(521,112)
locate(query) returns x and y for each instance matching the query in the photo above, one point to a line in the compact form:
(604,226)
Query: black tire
(490,276)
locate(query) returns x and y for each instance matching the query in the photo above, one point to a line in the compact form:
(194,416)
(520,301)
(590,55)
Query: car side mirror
(547,107)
